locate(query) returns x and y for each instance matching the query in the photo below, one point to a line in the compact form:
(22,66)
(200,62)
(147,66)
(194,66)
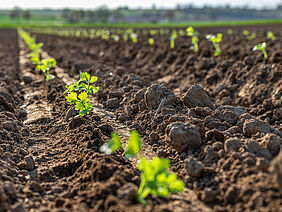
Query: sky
(91,4)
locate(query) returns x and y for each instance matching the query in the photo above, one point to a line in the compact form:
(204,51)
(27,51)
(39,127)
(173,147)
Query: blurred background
(53,12)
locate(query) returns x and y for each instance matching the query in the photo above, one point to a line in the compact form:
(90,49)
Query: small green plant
(229,31)
(173,37)
(271,36)
(248,35)
(181,32)
(153,32)
(251,36)
(216,42)
(41,65)
(133,145)
(45,66)
(151,41)
(134,37)
(78,93)
(155,177)
(192,33)
(115,37)
(32,45)
(261,47)
(246,32)
(81,102)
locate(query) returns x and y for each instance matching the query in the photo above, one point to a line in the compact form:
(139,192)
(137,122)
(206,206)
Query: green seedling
(83,87)
(133,145)
(41,65)
(151,41)
(251,36)
(32,45)
(115,37)
(34,58)
(248,35)
(261,47)
(153,32)
(125,37)
(216,42)
(81,102)
(172,39)
(194,34)
(246,32)
(45,66)
(113,145)
(271,36)
(155,177)
(229,31)
(134,37)
(83,84)
(181,32)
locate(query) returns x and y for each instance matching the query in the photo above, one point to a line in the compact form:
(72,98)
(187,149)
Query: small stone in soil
(194,167)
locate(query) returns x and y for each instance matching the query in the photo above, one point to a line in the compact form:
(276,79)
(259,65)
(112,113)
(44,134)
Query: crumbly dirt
(218,119)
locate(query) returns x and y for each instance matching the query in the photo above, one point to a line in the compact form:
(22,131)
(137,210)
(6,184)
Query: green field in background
(5,22)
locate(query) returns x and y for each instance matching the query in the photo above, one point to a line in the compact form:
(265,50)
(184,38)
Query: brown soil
(219,123)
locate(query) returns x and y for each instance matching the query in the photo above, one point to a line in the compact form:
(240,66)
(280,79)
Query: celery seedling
(81,103)
(271,36)
(248,35)
(229,31)
(134,37)
(151,41)
(173,38)
(252,36)
(45,66)
(133,145)
(192,33)
(215,41)
(246,32)
(113,145)
(261,47)
(84,88)
(155,177)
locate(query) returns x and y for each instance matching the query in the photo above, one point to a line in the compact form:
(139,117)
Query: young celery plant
(271,36)
(248,35)
(172,39)
(32,45)
(251,36)
(194,34)
(151,41)
(216,42)
(261,47)
(78,93)
(45,66)
(155,177)
(229,31)
(134,37)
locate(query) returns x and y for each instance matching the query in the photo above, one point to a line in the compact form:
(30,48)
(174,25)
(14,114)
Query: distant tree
(170,15)
(213,16)
(26,15)
(103,15)
(75,16)
(91,16)
(66,14)
(103,7)
(117,15)
(178,7)
(15,13)
(82,14)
